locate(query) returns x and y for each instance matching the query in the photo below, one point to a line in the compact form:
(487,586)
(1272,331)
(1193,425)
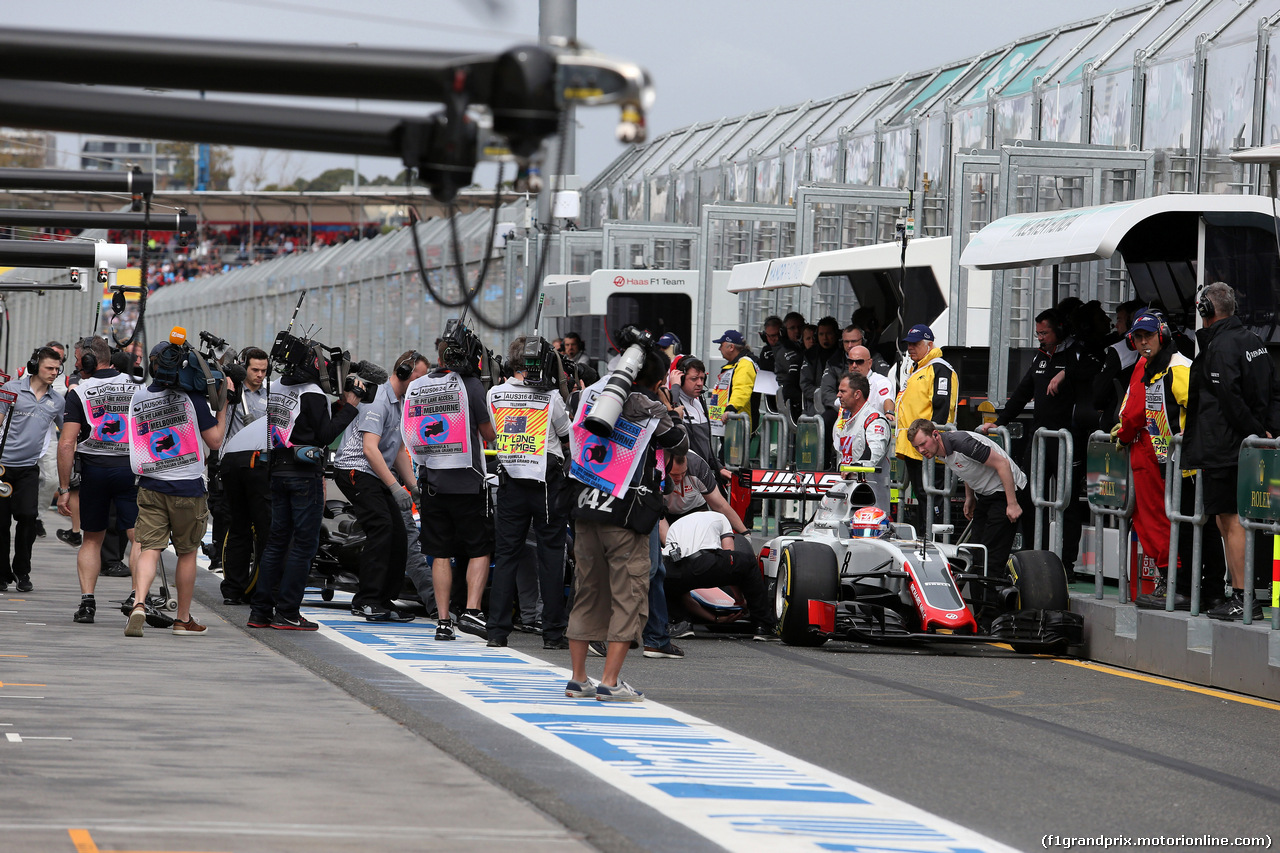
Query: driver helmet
(869,522)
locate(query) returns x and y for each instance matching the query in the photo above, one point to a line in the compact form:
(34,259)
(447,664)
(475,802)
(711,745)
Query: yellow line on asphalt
(1177,685)
(85,844)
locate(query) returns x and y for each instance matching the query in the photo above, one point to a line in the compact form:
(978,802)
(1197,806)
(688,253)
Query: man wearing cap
(732,391)
(1048,385)
(930,394)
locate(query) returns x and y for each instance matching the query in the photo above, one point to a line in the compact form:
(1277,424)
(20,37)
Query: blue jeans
(655,630)
(297,505)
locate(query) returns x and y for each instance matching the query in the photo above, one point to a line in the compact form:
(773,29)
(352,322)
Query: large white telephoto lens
(607,407)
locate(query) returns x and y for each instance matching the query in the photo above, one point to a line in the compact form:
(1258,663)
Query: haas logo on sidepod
(618,281)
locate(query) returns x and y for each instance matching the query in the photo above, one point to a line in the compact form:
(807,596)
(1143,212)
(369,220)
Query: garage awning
(804,270)
(1088,233)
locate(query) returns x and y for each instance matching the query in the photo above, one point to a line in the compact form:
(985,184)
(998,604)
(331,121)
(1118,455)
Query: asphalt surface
(246,741)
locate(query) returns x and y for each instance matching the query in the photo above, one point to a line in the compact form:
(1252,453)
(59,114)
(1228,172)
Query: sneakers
(670,650)
(679,630)
(397,616)
(258,620)
(115,569)
(763,633)
(85,614)
(534,627)
(293,623)
(622,692)
(444,630)
(1154,600)
(71,537)
(555,645)
(156,618)
(137,618)
(497,643)
(25,585)
(473,622)
(189,628)
(581,689)
(234,602)
(1233,608)
(597,648)
(4,586)
(371,613)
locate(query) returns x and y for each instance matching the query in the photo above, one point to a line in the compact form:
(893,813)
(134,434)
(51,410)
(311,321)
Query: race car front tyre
(1041,580)
(807,572)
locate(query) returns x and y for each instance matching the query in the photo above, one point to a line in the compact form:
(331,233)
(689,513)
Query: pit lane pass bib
(164,443)
(522,421)
(283,408)
(434,425)
(106,410)
(607,464)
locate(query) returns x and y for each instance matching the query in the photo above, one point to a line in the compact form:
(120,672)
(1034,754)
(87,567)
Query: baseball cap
(1147,321)
(669,340)
(918,333)
(733,336)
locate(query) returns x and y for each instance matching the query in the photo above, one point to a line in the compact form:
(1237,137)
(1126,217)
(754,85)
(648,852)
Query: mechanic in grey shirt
(693,489)
(995,488)
(369,457)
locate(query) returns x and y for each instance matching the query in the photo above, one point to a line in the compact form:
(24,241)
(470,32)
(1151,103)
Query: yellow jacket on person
(733,387)
(930,392)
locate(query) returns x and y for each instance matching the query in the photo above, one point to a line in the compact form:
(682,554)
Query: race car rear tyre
(807,572)
(1041,580)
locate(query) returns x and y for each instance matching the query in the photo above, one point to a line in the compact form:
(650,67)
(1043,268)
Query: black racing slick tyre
(807,572)
(1041,581)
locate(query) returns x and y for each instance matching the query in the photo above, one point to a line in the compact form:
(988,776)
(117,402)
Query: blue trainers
(581,689)
(623,692)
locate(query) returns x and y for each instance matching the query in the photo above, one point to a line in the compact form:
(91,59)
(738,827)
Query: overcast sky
(708,58)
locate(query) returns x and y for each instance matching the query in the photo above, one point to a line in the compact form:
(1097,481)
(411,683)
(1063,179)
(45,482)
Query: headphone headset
(88,361)
(405,368)
(1166,334)
(1056,325)
(1204,307)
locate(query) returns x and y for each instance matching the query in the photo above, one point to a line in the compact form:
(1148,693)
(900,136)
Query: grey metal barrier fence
(1050,509)
(1173,508)
(1109,489)
(1258,507)
(736,443)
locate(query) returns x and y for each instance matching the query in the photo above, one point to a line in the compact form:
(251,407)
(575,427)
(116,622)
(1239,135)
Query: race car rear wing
(793,485)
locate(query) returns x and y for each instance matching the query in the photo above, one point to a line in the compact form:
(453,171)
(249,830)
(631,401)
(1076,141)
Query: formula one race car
(852,574)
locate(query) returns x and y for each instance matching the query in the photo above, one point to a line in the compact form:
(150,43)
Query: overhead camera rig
(523,90)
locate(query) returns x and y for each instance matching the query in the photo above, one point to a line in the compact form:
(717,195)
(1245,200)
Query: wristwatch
(64,490)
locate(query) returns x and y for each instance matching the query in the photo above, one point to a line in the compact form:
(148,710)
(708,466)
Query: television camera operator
(244,479)
(301,426)
(167,421)
(445,417)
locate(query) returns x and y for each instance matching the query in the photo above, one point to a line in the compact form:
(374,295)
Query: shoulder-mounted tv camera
(465,355)
(183,368)
(541,365)
(303,360)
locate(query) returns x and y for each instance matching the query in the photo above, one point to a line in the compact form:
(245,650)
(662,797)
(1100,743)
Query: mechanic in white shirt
(861,435)
(700,553)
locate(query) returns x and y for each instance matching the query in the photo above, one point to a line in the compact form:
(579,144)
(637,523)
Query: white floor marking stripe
(741,794)
(13,737)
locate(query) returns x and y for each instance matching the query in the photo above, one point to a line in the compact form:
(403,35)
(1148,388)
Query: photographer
(618,502)
(95,437)
(445,418)
(166,454)
(369,450)
(530,422)
(246,483)
(300,424)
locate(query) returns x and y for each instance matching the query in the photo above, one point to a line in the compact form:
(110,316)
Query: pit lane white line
(737,792)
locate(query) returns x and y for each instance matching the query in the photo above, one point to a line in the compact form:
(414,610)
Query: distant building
(117,154)
(29,149)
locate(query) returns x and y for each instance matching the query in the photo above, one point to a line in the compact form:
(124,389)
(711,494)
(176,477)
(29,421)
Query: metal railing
(1173,508)
(931,491)
(1120,509)
(1043,506)
(1261,514)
